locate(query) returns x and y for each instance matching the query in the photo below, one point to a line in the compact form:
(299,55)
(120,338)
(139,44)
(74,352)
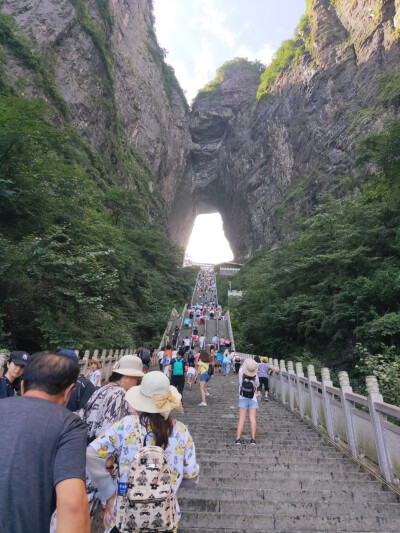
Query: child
(94,373)
(191,374)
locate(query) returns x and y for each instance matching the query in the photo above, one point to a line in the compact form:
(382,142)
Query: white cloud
(263,54)
(213,20)
(166,22)
(203,70)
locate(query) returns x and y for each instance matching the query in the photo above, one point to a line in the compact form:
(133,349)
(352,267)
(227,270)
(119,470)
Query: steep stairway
(291,481)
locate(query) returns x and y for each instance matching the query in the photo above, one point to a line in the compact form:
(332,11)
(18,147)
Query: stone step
(287,524)
(283,479)
(307,508)
(278,456)
(355,494)
(239,468)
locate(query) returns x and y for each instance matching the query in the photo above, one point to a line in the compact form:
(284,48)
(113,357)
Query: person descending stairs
(292,480)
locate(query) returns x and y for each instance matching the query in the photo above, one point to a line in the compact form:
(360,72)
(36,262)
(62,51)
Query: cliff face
(260,157)
(106,62)
(263,163)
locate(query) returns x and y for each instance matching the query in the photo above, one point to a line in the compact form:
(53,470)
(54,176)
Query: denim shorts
(247,403)
(205,376)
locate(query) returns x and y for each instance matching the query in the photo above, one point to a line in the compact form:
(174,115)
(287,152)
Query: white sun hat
(154,395)
(129,365)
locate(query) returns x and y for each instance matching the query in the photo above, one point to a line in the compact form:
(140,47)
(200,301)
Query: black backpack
(210,369)
(145,356)
(247,388)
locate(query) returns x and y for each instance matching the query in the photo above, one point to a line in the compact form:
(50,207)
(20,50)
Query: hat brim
(98,363)
(19,362)
(143,403)
(129,372)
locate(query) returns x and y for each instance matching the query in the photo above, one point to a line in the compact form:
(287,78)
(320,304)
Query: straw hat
(129,365)
(154,395)
(96,361)
(250,367)
(265,359)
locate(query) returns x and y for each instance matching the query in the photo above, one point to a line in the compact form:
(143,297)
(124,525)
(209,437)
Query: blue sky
(200,35)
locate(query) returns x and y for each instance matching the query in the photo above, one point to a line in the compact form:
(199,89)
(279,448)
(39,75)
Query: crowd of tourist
(79,444)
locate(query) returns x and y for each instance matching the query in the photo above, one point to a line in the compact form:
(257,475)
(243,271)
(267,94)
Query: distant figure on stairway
(202,341)
(177,369)
(263,372)
(248,383)
(202,371)
(237,361)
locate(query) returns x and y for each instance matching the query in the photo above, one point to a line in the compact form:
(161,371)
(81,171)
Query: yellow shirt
(203,367)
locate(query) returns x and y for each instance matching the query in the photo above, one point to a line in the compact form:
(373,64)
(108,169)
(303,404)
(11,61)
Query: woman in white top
(248,384)
(153,399)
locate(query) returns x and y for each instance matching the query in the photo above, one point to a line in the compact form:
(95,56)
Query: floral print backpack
(146,502)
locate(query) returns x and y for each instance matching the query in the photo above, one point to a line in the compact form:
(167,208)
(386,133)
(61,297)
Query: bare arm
(72,507)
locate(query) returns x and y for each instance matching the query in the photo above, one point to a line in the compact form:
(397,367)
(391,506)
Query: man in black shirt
(42,452)
(83,388)
(15,369)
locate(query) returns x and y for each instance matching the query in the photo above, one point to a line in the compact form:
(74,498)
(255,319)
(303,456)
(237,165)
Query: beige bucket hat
(129,365)
(154,395)
(96,362)
(250,367)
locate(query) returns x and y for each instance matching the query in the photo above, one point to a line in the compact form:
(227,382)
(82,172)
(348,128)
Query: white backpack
(149,501)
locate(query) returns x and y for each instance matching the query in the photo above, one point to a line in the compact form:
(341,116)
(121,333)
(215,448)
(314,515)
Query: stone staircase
(291,481)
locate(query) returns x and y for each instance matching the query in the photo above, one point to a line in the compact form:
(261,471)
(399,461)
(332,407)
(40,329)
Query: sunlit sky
(199,36)
(208,243)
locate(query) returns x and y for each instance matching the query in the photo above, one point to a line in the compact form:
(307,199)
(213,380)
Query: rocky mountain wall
(265,162)
(260,154)
(107,63)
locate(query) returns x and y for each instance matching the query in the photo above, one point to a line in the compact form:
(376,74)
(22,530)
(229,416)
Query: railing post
(86,356)
(378,421)
(300,374)
(326,397)
(311,390)
(277,376)
(347,407)
(282,369)
(290,383)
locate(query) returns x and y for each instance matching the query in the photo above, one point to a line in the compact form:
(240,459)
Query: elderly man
(42,452)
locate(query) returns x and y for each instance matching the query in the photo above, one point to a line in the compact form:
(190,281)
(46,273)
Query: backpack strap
(139,436)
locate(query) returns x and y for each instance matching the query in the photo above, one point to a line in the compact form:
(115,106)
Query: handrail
(367,433)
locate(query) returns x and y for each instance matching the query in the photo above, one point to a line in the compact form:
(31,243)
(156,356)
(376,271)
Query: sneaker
(207,394)
(238,442)
(203,404)
(253,442)
(266,399)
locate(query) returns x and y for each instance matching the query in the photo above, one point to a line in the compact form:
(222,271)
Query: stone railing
(358,421)
(107,358)
(168,330)
(230,331)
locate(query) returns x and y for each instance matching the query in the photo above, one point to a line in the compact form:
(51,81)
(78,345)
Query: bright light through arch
(207,243)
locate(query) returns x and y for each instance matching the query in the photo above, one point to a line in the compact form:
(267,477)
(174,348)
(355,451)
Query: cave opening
(208,243)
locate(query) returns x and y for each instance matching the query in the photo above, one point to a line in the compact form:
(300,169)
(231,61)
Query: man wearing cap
(15,369)
(42,452)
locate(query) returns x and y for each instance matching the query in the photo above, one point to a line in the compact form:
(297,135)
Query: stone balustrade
(358,422)
(107,359)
